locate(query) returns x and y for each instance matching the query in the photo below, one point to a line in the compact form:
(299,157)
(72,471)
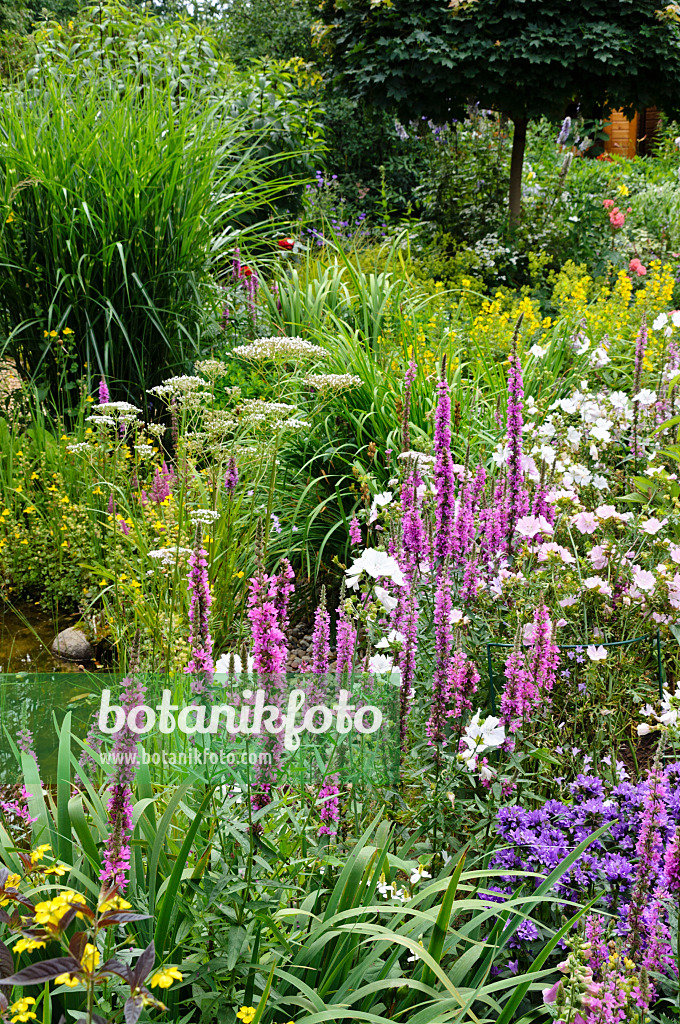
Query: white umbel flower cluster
(177,386)
(287,349)
(332,383)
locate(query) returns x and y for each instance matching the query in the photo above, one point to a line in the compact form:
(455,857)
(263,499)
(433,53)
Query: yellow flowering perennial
(165,977)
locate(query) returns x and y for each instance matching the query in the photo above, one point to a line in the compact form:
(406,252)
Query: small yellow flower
(35,476)
(89,398)
(27,945)
(56,869)
(66,979)
(90,958)
(10,218)
(40,852)
(114,903)
(21,1012)
(246,1014)
(165,977)
(67,330)
(53,334)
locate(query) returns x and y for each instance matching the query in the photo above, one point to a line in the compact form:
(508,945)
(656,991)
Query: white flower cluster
(211,368)
(79,448)
(332,383)
(478,737)
(111,408)
(145,451)
(205,516)
(101,421)
(168,556)
(279,348)
(667,718)
(157,429)
(177,386)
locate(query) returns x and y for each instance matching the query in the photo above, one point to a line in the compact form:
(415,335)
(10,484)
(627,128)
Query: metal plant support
(653,638)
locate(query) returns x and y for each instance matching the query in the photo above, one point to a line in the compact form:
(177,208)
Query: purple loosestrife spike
(162,483)
(231,477)
(355,532)
(284,588)
(104,397)
(649,849)
(236,265)
(321,640)
(111,507)
(468,590)
(443,471)
(414,535)
(25,743)
(544,654)
(174,424)
(442,664)
(478,487)
(124,756)
(463,681)
(200,665)
(345,638)
(267,606)
(330,805)
(517,498)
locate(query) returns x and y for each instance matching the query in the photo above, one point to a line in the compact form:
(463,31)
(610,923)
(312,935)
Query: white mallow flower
(601,431)
(419,873)
(530,406)
(500,454)
(393,637)
(652,526)
(547,430)
(675,317)
(646,397)
(480,736)
(568,405)
(537,351)
(379,501)
(619,399)
(660,322)
(599,358)
(383,665)
(596,653)
(600,483)
(376,564)
(388,602)
(547,454)
(574,437)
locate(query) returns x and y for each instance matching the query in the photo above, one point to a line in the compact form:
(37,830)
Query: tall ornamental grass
(114,207)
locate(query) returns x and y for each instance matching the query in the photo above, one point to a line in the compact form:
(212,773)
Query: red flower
(286,243)
(246,271)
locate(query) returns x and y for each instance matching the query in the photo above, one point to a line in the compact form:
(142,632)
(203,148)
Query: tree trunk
(519,140)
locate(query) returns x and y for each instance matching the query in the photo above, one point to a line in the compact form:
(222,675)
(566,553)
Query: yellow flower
(67,330)
(27,945)
(53,334)
(115,903)
(10,218)
(165,977)
(89,398)
(90,958)
(66,979)
(56,869)
(20,1010)
(246,1014)
(39,852)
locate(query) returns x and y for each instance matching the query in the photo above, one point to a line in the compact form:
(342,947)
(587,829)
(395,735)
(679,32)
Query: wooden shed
(631,137)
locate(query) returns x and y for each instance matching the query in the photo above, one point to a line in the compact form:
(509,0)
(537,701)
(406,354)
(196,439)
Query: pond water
(37,689)
(26,636)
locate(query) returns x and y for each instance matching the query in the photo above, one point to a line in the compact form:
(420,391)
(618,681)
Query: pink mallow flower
(674,591)
(643,579)
(636,267)
(652,526)
(598,556)
(530,526)
(585,522)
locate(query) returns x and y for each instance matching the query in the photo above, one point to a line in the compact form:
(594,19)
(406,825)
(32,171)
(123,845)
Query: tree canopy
(525,58)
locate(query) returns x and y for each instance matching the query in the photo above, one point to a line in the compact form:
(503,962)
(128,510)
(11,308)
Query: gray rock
(73,645)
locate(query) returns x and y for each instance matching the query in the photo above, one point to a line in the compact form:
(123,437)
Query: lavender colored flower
(355,531)
(517,498)
(442,665)
(162,482)
(116,859)
(671,867)
(200,665)
(564,132)
(104,397)
(345,635)
(443,471)
(231,476)
(330,805)
(321,649)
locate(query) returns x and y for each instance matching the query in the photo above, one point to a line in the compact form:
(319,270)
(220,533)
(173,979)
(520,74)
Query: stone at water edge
(73,645)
